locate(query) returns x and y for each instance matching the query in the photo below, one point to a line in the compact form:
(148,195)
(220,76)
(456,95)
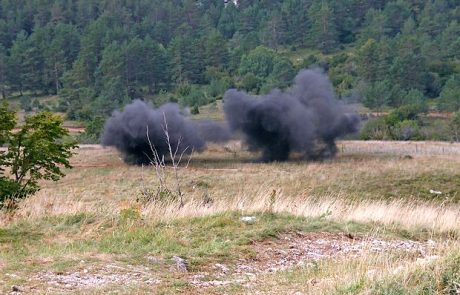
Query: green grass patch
(397,186)
(60,243)
(203,240)
(418,186)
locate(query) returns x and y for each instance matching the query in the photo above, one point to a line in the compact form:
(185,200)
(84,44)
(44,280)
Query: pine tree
(450,41)
(3,70)
(17,62)
(216,50)
(367,62)
(323,32)
(295,17)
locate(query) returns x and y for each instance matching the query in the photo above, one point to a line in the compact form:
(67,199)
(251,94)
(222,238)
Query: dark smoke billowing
(130,131)
(306,118)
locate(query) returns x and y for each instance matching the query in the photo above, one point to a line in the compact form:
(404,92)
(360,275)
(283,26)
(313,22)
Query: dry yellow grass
(102,184)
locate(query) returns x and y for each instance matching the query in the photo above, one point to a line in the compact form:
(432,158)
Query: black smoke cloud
(306,118)
(131,130)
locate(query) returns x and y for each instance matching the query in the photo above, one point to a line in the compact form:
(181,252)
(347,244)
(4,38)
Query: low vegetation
(90,232)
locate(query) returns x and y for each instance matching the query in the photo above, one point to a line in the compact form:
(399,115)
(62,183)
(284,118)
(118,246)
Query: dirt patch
(299,249)
(287,251)
(90,277)
(303,250)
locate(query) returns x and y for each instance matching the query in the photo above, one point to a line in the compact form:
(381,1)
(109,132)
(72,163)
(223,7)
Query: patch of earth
(110,274)
(302,250)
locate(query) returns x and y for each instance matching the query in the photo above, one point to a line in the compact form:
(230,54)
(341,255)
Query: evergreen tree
(295,18)
(3,71)
(449,99)
(323,31)
(228,22)
(368,61)
(375,26)
(216,51)
(17,62)
(450,41)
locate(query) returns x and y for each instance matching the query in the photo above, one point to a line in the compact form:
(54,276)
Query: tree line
(97,55)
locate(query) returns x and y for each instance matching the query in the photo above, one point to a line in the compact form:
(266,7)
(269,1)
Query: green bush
(37,151)
(374,129)
(217,87)
(93,131)
(250,82)
(406,130)
(406,112)
(196,97)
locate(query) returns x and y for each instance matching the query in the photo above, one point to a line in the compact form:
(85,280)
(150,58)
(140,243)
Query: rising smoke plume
(306,118)
(141,127)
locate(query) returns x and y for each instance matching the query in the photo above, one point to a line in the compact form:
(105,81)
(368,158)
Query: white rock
(435,192)
(248,219)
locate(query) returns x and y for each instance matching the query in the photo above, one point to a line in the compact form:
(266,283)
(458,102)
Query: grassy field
(381,218)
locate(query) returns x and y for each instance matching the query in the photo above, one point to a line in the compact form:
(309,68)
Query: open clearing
(381,218)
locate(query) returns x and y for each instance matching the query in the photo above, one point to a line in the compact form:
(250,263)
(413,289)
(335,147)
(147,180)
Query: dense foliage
(99,54)
(35,151)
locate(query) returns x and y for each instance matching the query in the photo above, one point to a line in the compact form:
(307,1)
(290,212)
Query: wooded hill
(98,55)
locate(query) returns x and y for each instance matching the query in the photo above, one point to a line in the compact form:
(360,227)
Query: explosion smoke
(131,130)
(307,118)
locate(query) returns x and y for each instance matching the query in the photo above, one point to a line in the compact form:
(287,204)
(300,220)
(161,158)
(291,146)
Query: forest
(399,57)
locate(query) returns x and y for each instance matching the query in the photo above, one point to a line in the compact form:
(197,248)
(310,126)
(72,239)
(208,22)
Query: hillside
(98,55)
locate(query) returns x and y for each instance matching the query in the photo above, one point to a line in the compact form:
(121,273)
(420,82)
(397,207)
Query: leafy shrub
(375,129)
(37,151)
(217,87)
(250,82)
(406,112)
(196,97)
(406,130)
(93,130)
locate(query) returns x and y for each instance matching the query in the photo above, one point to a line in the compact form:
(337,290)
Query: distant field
(381,217)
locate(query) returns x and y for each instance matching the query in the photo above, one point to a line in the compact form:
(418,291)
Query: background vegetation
(97,55)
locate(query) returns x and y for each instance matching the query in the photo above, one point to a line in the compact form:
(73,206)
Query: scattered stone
(221,267)
(181,263)
(109,274)
(305,249)
(248,219)
(153,259)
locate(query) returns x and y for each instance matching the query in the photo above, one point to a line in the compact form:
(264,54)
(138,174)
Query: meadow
(380,218)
